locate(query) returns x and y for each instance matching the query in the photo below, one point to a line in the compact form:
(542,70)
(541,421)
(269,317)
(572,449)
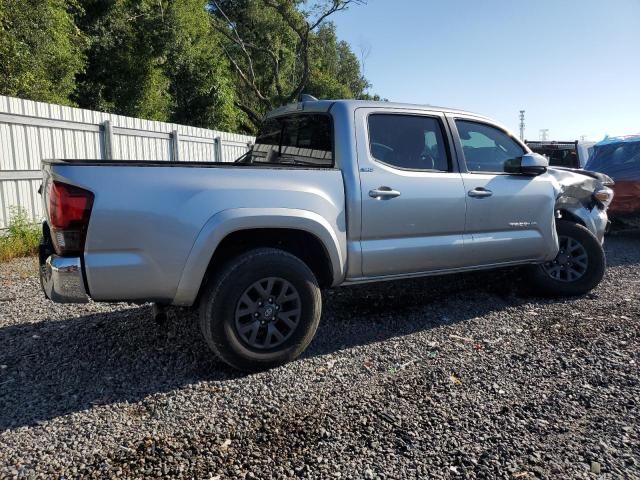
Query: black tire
(221,300)
(543,283)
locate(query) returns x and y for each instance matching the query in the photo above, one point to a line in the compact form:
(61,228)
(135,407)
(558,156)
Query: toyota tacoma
(332,193)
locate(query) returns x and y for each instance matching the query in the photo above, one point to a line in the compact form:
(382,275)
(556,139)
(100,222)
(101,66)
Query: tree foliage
(123,72)
(210,63)
(158,60)
(41,49)
(335,69)
(281,48)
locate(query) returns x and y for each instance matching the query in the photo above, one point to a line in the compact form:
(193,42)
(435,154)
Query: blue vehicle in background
(619,158)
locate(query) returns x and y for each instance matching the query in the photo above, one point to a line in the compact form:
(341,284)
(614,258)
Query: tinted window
(298,139)
(486,148)
(561,158)
(408,141)
(559,155)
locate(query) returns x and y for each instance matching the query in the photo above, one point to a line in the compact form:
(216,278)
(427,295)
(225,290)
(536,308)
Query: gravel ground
(428,378)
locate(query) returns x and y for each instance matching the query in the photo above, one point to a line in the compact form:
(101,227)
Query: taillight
(69,211)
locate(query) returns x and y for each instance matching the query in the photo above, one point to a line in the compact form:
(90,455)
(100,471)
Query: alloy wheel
(267,313)
(570,264)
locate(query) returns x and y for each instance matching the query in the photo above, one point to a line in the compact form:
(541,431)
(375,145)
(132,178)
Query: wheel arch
(570,216)
(229,232)
(585,217)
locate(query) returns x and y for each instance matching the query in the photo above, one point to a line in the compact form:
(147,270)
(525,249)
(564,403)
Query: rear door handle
(383,193)
(480,192)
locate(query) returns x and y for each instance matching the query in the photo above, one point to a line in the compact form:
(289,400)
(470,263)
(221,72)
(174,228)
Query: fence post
(107,131)
(217,142)
(175,144)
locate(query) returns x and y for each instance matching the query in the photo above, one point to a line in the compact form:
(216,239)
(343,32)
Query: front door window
(486,148)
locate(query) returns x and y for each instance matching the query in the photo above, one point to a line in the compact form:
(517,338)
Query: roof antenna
(305,97)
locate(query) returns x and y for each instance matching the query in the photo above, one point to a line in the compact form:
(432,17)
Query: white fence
(32,131)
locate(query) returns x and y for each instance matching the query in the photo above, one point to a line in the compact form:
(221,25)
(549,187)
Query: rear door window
(303,139)
(411,142)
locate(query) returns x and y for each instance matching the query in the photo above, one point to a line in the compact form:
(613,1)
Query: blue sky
(573,65)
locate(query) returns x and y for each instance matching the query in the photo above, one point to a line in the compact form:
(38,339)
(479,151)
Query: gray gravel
(463,376)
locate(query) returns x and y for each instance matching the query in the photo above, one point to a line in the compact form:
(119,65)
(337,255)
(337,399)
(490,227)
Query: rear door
(510,217)
(413,203)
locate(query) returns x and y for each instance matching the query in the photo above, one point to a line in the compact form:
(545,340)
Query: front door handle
(480,192)
(383,193)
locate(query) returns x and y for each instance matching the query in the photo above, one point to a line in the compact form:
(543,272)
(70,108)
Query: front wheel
(261,310)
(577,269)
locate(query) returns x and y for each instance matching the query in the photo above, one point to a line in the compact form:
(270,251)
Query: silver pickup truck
(332,193)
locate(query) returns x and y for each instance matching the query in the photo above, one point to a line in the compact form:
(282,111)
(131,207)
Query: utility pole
(522,125)
(544,134)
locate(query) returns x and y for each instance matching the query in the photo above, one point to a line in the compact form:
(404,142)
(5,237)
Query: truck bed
(80,162)
(150,228)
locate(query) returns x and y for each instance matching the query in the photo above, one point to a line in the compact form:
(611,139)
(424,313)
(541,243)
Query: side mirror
(528,164)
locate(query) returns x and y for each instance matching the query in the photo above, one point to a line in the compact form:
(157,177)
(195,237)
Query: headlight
(603,196)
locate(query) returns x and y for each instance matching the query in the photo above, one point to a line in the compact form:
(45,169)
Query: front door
(510,218)
(413,203)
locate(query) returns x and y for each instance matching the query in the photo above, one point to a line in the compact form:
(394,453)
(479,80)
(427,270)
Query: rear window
(560,155)
(303,139)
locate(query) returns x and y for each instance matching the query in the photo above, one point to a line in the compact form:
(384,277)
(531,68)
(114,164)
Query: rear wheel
(578,267)
(261,310)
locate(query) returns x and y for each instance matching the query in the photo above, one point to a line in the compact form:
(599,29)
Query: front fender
(576,197)
(232,220)
(595,219)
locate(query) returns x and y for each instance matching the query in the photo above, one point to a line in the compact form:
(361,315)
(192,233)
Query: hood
(573,185)
(606,180)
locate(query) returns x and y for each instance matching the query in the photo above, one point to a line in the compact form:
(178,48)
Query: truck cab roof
(327,105)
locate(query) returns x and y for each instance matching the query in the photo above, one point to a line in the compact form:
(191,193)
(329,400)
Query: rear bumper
(62,281)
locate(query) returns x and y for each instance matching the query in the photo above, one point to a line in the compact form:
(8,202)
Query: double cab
(332,193)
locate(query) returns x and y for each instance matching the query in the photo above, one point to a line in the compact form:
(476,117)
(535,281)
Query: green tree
(41,49)
(124,72)
(201,83)
(277,51)
(158,60)
(209,63)
(335,70)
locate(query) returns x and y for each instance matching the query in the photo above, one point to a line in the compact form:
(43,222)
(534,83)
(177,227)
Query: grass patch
(21,238)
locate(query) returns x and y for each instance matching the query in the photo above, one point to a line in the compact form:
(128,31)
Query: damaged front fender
(583,195)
